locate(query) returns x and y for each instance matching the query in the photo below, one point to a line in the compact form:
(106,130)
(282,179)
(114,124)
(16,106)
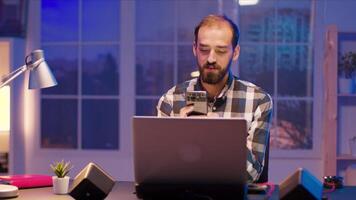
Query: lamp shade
(40,75)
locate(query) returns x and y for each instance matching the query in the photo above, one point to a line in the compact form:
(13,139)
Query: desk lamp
(40,77)
(40,74)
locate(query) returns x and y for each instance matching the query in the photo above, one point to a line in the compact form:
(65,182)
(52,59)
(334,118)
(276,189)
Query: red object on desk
(27,180)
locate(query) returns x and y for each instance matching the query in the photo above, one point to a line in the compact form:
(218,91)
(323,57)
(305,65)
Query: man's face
(214,52)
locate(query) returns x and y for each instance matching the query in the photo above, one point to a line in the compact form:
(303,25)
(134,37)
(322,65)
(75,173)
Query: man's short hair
(211,20)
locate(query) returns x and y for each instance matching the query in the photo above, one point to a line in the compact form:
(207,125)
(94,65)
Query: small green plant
(61,169)
(347,65)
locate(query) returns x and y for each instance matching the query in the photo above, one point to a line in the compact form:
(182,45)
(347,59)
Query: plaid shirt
(240,99)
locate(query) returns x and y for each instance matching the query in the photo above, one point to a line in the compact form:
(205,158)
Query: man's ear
(236,53)
(195,49)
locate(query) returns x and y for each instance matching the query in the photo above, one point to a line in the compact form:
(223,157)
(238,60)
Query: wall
(13,57)
(346,106)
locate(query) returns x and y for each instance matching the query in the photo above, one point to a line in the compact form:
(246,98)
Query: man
(215,47)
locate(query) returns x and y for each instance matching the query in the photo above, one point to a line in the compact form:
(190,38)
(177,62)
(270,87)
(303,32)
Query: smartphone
(199,101)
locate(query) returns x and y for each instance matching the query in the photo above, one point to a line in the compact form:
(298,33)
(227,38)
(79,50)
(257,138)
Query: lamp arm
(8,78)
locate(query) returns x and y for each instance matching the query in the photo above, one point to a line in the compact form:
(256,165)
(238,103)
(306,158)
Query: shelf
(346,95)
(346,157)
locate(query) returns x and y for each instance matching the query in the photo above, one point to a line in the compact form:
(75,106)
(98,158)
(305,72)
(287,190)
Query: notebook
(173,150)
(27,180)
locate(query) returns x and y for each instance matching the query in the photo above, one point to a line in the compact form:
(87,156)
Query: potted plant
(346,70)
(61,180)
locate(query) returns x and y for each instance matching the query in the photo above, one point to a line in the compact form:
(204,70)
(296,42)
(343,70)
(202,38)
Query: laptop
(188,152)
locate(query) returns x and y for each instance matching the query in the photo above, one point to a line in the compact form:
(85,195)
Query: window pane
(59,20)
(100,70)
(4,162)
(189,15)
(293,129)
(186,62)
(154,20)
(63,61)
(101,20)
(295,74)
(59,123)
(257,23)
(100,124)
(257,65)
(146,107)
(346,128)
(13,21)
(154,69)
(293,21)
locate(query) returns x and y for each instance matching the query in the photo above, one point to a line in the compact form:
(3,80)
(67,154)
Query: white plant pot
(60,185)
(345,85)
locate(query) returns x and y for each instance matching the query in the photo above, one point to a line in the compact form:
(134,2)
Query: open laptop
(189,152)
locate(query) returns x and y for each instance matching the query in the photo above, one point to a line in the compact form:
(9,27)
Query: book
(27,180)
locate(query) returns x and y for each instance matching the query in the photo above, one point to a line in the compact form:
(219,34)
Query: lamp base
(8,191)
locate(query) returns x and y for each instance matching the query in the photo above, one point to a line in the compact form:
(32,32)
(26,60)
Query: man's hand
(185,111)
(188,111)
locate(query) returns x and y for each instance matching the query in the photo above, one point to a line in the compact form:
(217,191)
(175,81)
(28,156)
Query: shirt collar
(222,94)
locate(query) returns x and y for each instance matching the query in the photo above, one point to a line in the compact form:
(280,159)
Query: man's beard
(213,77)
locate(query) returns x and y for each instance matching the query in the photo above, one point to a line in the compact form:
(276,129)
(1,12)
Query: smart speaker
(91,183)
(300,185)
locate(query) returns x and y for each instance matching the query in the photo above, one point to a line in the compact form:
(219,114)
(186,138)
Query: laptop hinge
(190,191)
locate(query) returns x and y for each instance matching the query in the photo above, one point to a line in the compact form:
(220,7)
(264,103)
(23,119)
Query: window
(164,36)
(81,39)
(81,43)
(276,54)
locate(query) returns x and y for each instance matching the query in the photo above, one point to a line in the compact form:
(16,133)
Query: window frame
(127,95)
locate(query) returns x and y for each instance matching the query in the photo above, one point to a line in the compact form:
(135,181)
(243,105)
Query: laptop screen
(189,150)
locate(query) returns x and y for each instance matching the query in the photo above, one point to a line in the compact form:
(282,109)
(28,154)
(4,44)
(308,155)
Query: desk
(124,191)
(121,191)
(345,193)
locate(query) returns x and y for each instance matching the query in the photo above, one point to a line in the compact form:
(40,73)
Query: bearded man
(215,47)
